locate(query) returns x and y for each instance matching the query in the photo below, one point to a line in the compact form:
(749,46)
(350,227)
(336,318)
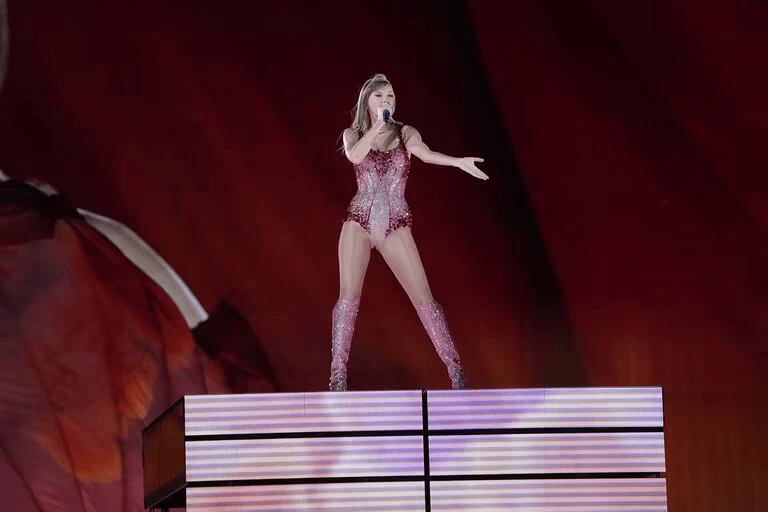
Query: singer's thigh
(400,252)
(354,254)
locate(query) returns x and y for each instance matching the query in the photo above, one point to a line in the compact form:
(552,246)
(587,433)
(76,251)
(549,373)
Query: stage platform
(495,450)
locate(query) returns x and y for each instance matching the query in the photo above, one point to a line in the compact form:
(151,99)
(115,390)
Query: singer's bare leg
(354,254)
(400,253)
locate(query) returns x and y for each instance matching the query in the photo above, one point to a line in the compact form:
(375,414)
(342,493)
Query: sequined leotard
(379,205)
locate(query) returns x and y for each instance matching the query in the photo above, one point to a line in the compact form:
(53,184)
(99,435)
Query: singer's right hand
(379,124)
(384,106)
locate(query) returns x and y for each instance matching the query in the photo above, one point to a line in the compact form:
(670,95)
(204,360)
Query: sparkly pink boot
(342,329)
(432,316)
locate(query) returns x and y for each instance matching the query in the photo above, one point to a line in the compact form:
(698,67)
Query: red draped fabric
(90,350)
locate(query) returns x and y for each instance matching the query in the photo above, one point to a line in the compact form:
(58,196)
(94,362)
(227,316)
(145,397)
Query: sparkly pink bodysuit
(379,205)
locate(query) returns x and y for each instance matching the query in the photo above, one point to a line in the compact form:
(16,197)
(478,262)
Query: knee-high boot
(342,329)
(432,317)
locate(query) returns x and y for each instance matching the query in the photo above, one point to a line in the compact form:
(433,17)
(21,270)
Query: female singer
(378,216)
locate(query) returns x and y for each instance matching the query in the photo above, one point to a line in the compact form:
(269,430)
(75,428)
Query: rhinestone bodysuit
(379,205)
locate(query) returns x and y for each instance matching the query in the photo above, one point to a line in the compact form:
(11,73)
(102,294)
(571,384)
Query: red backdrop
(620,240)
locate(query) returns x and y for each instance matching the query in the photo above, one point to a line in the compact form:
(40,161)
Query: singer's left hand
(467,164)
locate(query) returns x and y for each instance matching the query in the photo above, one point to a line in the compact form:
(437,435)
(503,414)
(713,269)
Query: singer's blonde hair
(361,121)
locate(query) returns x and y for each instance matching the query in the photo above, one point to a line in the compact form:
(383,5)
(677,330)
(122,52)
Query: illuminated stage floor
(537,450)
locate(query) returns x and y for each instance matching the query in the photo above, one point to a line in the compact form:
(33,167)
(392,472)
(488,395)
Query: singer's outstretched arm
(416,146)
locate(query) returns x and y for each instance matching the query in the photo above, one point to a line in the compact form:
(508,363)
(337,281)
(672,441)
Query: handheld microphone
(386,115)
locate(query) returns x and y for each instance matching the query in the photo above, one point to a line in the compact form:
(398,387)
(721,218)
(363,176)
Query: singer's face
(382,97)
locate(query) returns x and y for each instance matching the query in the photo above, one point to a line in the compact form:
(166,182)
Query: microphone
(386,115)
